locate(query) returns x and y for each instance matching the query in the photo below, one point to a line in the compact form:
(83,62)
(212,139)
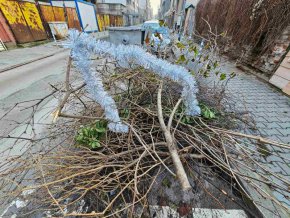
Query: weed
(90,136)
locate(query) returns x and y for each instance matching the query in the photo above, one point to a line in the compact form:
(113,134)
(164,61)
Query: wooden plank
(283,72)
(286,89)
(286,62)
(278,81)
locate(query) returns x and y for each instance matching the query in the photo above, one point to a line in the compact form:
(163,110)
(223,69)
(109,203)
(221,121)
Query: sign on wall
(86,13)
(88,16)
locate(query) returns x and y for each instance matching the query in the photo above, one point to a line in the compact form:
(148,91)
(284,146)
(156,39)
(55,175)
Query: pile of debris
(127,138)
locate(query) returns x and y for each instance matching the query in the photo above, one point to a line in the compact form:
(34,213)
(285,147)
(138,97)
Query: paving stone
(167,212)
(285,169)
(274,167)
(284,132)
(284,118)
(261,119)
(274,159)
(284,125)
(272,118)
(277,109)
(270,109)
(273,125)
(285,139)
(275,138)
(260,125)
(281,197)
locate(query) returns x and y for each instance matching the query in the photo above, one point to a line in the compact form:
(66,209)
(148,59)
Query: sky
(155,6)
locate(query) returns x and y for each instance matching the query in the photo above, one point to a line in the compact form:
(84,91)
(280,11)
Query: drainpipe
(182,18)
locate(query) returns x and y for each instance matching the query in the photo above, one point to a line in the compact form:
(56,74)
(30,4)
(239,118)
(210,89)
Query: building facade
(178,14)
(118,12)
(145,10)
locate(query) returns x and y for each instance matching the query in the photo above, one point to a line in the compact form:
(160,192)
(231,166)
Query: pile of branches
(113,178)
(256,23)
(80,167)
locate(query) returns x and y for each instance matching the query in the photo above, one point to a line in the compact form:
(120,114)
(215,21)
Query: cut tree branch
(180,172)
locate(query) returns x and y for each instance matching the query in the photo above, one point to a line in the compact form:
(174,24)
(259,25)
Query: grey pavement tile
(285,119)
(261,125)
(284,131)
(278,182)
(285,139)
(274,159)
(261,109)
(275,138)
(273,125)
(283,108)
(260,119)
(274,167)
(270,132)
(270,110)
(283,115)
(284,125)
(270,118)
(285,169)
(281,197)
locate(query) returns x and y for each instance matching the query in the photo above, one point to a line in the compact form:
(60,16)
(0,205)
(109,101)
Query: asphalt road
(30,79)
(25,83)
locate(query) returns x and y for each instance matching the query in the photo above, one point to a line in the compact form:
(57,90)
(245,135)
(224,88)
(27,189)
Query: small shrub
(207,112)
(90,136)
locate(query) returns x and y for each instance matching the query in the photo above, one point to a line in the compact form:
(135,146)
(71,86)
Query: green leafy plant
(179,115)
(90,136)
(223,76)
(125,113)
(181,59)
(207,112)
(180,45)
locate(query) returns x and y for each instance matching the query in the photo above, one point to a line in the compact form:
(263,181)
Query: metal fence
(28,20)
(24,20)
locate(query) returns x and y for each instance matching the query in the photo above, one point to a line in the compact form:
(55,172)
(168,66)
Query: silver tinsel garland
(83,46)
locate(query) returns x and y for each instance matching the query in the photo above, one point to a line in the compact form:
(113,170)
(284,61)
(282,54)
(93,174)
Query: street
(28,82)
(29,79)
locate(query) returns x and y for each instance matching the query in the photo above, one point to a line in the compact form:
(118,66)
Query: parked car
(155,35)
(151,25)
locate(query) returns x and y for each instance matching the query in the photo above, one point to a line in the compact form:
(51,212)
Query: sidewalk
(17,57)
(270,110)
